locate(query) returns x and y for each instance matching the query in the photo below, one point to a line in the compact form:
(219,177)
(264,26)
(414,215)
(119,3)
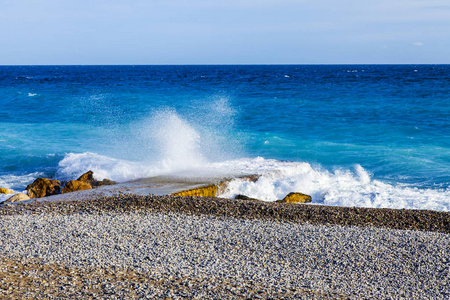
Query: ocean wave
(339,187)
(170,144)
(16,182)
(75,164)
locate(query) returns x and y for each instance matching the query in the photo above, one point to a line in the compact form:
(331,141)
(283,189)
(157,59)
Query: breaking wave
(168,143)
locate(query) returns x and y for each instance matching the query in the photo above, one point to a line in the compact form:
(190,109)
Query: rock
(76,185)
(209,190)
(213,190)
(104,182)
(251,178)
(88,177)
(43,187)
(17,197)
(243,197)
(6,191)
(296,198)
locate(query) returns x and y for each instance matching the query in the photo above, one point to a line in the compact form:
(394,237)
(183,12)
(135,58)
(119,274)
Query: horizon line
(234,64)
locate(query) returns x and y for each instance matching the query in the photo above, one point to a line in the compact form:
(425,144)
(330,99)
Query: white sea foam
(167,143)
(16,183)
(339,187)
(4,197)
(75,164)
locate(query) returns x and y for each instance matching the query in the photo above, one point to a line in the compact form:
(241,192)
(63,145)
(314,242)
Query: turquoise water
(363,135)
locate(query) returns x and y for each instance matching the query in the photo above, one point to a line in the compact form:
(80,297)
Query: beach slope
(173,247)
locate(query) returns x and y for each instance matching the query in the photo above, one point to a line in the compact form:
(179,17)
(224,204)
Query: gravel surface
(425,220)
(135,247)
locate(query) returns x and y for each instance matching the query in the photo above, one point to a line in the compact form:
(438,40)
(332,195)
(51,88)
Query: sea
(348,135)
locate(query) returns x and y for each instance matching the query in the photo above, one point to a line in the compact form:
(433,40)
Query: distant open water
(352,135)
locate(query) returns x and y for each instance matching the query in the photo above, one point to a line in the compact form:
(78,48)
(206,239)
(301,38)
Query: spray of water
(176,142)
(164,142)
(201,142)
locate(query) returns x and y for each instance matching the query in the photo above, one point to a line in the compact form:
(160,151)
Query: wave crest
(341,187)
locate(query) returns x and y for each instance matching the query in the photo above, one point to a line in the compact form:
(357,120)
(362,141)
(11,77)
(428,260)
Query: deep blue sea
(349,135)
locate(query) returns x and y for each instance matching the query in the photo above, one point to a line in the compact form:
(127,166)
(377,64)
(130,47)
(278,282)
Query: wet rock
(252,178)
(104,182)
(243,197)
(296,198)
(6,191)
(17,197)
(43,187)
(76,185)
(213,190)
(209,190)
(88,178)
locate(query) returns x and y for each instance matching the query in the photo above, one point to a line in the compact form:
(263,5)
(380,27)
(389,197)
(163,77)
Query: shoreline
(403,219)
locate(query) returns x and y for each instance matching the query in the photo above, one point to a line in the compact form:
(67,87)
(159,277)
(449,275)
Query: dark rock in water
(16,197)
(243,197)
(296,198)
(76,185)
(43,187)
(88,178)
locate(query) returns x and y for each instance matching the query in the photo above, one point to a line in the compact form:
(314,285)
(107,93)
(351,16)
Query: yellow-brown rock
(43,187)
(17,197)
(296,198)
(6,191)
(202,191)
(212,190)
(76,185)
(88,177)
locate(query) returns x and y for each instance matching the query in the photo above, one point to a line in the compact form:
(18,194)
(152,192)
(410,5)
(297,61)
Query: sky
(96,32)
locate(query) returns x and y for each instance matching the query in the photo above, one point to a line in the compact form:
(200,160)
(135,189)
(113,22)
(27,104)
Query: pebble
(88,249)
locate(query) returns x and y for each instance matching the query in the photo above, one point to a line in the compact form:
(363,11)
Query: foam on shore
(339,187)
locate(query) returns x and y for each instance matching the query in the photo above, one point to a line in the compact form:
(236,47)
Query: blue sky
(224,32)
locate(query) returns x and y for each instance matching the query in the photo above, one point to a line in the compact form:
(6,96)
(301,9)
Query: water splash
(162,143)
(176,141)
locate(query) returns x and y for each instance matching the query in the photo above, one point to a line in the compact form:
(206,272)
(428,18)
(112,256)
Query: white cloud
(418,44)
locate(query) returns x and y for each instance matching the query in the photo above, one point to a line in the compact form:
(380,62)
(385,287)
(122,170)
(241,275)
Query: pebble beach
(130,246)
